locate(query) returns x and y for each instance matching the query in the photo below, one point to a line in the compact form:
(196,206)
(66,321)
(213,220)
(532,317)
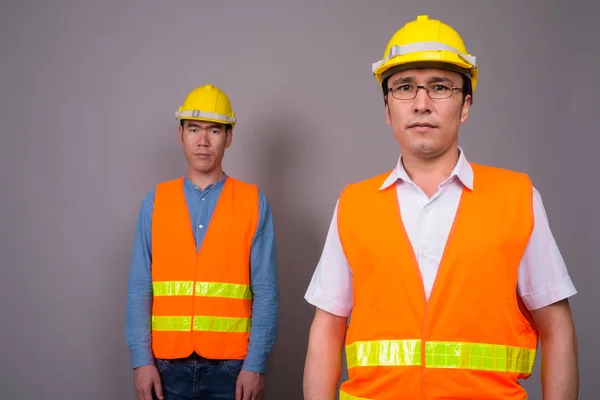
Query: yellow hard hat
(426,41)
(207,103)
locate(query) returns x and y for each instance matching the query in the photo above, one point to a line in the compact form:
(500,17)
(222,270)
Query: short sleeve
(543,275)
(330,288)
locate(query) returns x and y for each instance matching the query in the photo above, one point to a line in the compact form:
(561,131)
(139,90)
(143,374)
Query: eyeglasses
(408,91)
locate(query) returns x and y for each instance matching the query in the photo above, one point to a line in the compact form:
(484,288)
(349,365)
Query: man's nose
(422,101)
(202,138)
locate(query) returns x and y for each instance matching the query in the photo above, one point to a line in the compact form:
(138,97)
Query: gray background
(88,95)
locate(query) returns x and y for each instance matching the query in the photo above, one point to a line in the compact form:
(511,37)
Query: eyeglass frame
(424,87)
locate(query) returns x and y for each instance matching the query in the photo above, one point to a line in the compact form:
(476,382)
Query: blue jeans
(198,378)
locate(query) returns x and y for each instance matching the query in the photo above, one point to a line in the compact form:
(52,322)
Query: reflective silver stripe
(208,115)
(422,46)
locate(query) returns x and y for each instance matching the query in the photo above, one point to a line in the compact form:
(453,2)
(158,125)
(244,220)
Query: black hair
(226,126)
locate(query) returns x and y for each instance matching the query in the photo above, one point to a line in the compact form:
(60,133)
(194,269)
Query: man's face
(425,127)
(204,144)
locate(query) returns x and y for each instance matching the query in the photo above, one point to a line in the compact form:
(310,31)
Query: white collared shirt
(543,276)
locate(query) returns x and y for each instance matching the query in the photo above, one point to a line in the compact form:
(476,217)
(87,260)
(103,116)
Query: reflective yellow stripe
(484,357)
(384,352)
(171,323)
(213,289)
(201,323)
(173,288)
(475,356)
(347,396)
(221,324)
(230,290)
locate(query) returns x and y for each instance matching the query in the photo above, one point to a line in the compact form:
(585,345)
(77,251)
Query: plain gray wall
(88,92)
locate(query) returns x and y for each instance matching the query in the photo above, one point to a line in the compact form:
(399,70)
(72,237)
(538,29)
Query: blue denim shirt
(263,281)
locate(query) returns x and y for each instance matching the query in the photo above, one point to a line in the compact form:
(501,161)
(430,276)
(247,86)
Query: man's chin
(426,150)
(203,168)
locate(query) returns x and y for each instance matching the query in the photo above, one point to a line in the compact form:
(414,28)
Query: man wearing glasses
(449,268)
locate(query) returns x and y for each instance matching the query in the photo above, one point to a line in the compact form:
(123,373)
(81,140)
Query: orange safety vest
(473,338)
(202,300)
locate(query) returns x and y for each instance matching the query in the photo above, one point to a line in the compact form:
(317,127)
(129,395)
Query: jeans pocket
(232,367)
(162,364)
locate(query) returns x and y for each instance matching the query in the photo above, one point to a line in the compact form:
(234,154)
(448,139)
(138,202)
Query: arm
(324,356)
(330,291)
(139,306)
(265,303)
(560,374)
(545,286)
(139,290)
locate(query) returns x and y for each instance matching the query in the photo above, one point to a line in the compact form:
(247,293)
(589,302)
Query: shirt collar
(190,185)
(462,170)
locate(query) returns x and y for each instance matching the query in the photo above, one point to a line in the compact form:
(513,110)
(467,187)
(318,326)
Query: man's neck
(429,173)
(204,179)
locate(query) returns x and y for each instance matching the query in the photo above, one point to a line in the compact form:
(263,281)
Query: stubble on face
(426,128)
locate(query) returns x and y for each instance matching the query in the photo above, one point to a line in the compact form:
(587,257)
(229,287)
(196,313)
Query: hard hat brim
(197,115)
(427,59)
(425,65)
(444,57)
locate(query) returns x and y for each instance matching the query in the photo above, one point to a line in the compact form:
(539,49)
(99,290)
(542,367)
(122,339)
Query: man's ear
(229,139)
(464,112)
(180,134)
(388,117)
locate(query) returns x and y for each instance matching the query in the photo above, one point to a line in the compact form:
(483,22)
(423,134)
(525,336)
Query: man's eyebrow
(411,79)
(197,125)
(440,79)
(406,79)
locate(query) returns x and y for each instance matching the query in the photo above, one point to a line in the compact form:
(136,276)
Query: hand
(250,386)
(145,379)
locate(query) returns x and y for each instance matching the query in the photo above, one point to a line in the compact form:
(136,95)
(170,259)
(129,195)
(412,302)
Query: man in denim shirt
(202,319)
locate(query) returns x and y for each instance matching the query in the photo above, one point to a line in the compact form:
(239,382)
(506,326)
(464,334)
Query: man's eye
(404,88)
(439,88)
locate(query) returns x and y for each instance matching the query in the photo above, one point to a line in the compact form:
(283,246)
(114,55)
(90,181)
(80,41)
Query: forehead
(203,124)
(425,75)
